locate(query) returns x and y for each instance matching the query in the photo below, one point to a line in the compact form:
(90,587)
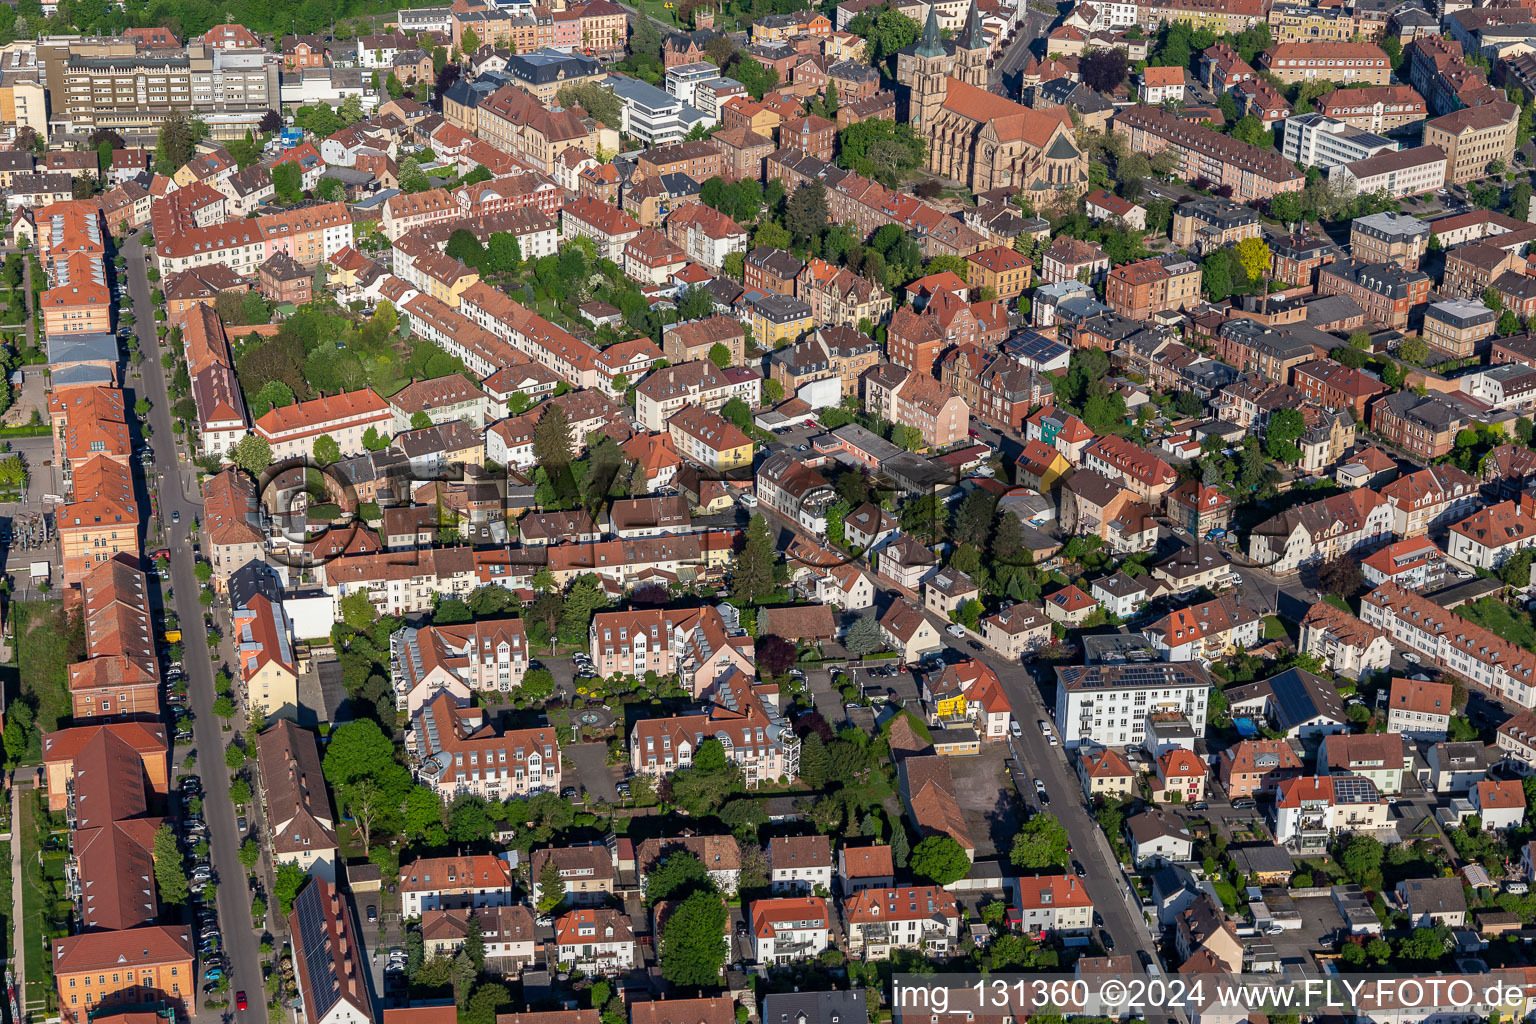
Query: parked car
(955,629)
(1014,730)
(240,1003)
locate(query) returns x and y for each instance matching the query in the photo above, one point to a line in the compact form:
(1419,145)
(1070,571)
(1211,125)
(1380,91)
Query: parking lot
(992,811)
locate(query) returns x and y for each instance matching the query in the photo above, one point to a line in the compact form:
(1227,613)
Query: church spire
(971,37)
(930,45)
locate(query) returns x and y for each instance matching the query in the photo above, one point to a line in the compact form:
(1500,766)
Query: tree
(489,999)
(1361,858)
(249,854)
(1103,70)
(679,875)
(1509,323)
(289,879)
(240,792)
(775,655)
(170,875)
(551,888)
(252,454)
(287,182)
(863,636)
(360,750)
(1041,843)
(940,859)
(806,214)
(552,446)
(753,577)
(881,149)
(327,450)
(176,144)
(693,943)
(1253,257)
(1414,351)
(1285,426)
(1251,130)
(756,76)
(1342,576)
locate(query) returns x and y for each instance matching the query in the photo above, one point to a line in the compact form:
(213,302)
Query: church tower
(971,51)
(929,80)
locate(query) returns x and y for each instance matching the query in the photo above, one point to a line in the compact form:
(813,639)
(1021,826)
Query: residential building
(1251,172)
(301,825)
(789,928)
(328,957)
(1382,757)
(1388,293)
(1318,140)
(1456,328)
(1329,61)
(456,750)
(1428,499)
(151,963)
(454,883)
(596,940)
(1206,631)
(1489,536)
(1420,710)
(920,918)
(1205,225)
(1253,767)
(800,864)
(1309,810)
(1389,238)
(1108,704)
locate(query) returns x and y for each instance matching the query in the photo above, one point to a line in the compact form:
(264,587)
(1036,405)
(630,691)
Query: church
(975,137)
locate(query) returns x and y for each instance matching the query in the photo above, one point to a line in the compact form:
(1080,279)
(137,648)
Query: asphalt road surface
(240,942)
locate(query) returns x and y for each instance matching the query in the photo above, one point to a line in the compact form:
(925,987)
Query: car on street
(1079,870)
(240,1003)
(1039,787)
(373,914)
(1243,803)
(955,629)
(1108,940)
(975,645)
(175,515)
(1014,730)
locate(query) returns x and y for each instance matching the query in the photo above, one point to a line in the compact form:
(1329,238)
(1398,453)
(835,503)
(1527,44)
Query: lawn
(47,642)
(1512,624)
(1274,628)
(40,872)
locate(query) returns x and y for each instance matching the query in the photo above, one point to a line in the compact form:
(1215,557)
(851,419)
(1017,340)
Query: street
(240,942)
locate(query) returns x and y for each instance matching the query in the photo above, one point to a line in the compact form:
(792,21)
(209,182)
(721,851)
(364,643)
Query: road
(240,942)
(1033,26)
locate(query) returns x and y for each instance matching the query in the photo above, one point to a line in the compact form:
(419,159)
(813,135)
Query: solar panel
(314,942)
(1354,789)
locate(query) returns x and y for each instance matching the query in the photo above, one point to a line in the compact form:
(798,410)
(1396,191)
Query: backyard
(47,641)
(45,914)
(1513,624)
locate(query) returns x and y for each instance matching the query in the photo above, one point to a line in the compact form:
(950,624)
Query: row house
(919,400)
(915,340)
(1137,290)
(1296,258)
(1335,386)
(1146,475)
(1388,293)
(455,883)
(1322,530)
(293,430)
(1331,61)
(1425,427)
(665,391)
(998,389)
(1470,269)
(838,297)
(1347,645)
(405,582)
(1456,644)
(299,816)
(1428,499)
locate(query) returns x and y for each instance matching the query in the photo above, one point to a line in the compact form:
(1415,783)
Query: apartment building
(1331,61)
(299,816)
(1322,530)
(1138,290)
(99,971)
(292,430)
(1425,427)
(709,440)
(1420,710)
(1389,238)
(1254,767)
(1146,475)
(1383,758)
(1205,631)
(456,750)
(761,741)
(101,521)
(918,400)
(1206,224)
(1381,108)
(1387,292)
(1460,646)
(1309,810)
(1489,536)
(586,872)
(1108,705)
(1251,172)
(120,674)
(1456,327)
(925,919)
(1347,645)
(664,392)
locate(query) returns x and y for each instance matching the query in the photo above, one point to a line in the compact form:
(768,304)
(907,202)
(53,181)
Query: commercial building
(1320,141)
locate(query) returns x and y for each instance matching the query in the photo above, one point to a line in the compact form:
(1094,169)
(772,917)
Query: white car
(748,500)
(955,629)
(1014,730)
(1410,657)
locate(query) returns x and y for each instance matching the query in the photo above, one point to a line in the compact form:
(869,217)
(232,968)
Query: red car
(240,1000)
